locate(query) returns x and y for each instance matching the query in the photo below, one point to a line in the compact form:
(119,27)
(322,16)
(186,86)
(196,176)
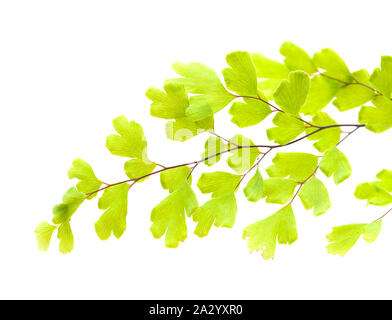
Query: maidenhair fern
(295,93)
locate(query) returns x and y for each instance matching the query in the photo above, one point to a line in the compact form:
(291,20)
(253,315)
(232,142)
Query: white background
(68,67)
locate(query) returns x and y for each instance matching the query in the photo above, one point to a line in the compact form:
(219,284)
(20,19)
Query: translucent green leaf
(183,129)
(314,195)
(298,166)
(335,163)
(278,190)
(136,168)
(88,181)
(168,217)
(170,104)
(373,193)
(113,221)
(130,142)
(354,95)
(242,159)
(213,146)
(43,234)
(201,80)
(219,211)
(288,128)
(269,86)
(254,189)
(382,78)
(327,138)
(175,178)
(292,93)
(322,91)
(249,113)
(241,77)
(386,179)
(333,65)
(65,235)
(297,58)
(343,238)
(262,235)
(378,119)
(218,183)
(72,199)
(269,69)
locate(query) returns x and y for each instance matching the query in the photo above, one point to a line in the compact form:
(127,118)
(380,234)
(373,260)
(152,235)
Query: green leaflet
(113,221)
(335,163)
(170,104)
(183,129)
(175,178)
(136,168)
(354,95)
(296,58)
(213,146)
(314,195)
(277,190)
(72,199)
(218,183)
(343,238)
(373,193)
(254,189)
(130,142)
(327,138)
(249,113)
(43,235)
(88,181)
(65,235)
(262,235)
(242,159)
(333,65)
(292,93)
(322,91)
(378,119)
(269,86)
(168,217)
(385,177)
(288,128)
(382,78)
(298,166)
(269,69)
(241,77)
(201,80)
(220,211)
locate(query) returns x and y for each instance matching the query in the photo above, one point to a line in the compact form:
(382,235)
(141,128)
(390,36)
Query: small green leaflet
(218,183)
(242,159)
(292,93)
(327,138)
(201,80)
(241,77)
(373,193)
(288,128)
(262,235)
(343,238)
(297,58)
(65,235)
(183,129)
(254,189)
(314,195)
(220,211)
(354,95)
(136,168)
(298,166)
(175,178)
(43,234)
(168,217)
(385,177)
(72,199)
(88,181)
(277,190)
(170,104)
(130,142)
(269,69)
(322,91)
(249,113)
(335,163)
(213,146)
(382,78)
(113,221)
(378,119)
(333,65)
